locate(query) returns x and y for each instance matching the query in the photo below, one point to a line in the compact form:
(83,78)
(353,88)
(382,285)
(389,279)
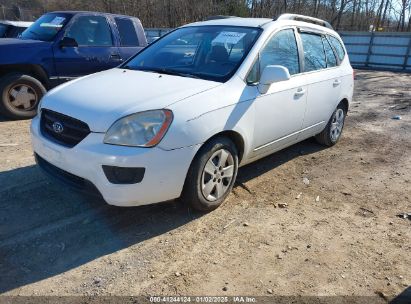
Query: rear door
(131,38)
(96,49)
(324,82)
(280,111)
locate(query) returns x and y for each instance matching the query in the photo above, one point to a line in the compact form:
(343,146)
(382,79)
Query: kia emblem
(58,127)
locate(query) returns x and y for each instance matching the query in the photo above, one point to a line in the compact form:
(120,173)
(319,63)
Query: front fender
(228,107)
(37,55)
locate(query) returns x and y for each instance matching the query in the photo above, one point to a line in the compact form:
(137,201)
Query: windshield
(207,52)
(3,29)
(46,27)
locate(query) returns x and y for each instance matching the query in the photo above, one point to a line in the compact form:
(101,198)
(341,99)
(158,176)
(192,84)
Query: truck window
(90,31)
(46,27)
(128,35)
(3,30)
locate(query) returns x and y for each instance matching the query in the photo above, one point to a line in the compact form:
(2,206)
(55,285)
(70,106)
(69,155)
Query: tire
(20,95)
(208,176)
(333,130)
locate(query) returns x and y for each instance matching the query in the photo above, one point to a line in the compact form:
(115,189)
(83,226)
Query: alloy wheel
(337,124)
(217,175)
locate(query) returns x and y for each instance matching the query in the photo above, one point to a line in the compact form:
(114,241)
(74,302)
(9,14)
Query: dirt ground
(338,235)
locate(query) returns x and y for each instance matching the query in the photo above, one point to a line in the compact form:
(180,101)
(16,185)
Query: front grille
(72,130)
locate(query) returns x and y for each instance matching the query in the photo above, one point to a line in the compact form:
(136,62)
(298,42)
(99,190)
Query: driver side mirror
(272,74)
(68,42)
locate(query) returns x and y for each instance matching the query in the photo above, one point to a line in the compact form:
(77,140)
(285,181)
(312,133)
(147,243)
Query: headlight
(144,129)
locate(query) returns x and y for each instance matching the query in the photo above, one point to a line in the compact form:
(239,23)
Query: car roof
(234,21)
(262,23)
(17,23)
(90,12)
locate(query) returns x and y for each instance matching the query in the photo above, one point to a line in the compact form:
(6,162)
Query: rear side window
(281,50)
(128,35)
(3,30)
(338,47)
(314,56)
(329,54)
(90,31)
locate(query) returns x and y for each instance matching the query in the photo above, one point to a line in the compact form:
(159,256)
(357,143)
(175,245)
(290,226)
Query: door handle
(116,57)
(336,83)
(300,92)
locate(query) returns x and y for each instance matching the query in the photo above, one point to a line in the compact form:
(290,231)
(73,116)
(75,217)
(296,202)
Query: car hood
(102,98)
(21,43)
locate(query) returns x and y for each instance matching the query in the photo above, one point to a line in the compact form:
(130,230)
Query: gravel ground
(338,235)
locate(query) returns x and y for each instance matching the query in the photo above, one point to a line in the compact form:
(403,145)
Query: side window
(329,54)
(128,35)
(281,50)
(254,74)
(314,56)
(91,31)
(338,47)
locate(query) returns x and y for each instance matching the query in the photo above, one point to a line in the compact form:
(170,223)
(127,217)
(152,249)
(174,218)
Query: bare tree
(344,14)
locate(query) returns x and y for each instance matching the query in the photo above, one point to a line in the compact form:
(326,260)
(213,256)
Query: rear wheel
(211,175)
(332,132)
(20,95)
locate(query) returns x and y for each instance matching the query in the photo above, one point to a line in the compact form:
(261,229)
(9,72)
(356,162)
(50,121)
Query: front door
(324,87)
(280,111)
(95,52)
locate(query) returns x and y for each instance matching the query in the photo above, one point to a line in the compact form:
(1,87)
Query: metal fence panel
(387,51)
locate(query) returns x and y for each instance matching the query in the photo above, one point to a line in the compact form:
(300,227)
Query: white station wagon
(179,118)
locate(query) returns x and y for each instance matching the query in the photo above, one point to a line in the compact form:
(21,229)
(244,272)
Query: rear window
(338,47)
(128,35)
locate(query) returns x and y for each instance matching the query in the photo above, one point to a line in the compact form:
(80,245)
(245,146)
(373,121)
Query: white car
(12,29)
(179,118)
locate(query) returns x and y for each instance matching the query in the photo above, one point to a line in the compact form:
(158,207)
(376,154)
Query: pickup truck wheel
(20,95)
(211,175)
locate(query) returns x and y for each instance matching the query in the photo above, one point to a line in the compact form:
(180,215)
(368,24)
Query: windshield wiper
(177,73)
(163,71)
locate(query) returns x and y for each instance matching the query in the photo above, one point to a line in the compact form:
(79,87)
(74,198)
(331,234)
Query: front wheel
(332,132)
(211,175)
(20,95)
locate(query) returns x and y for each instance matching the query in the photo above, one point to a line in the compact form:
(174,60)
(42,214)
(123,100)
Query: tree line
(355,15)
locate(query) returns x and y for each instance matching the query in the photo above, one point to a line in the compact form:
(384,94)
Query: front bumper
(165,170)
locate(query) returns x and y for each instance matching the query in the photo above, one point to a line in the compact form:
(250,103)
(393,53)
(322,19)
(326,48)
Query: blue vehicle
(61,46)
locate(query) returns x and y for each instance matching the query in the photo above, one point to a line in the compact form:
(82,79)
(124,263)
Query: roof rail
(305,19)
(219,17)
